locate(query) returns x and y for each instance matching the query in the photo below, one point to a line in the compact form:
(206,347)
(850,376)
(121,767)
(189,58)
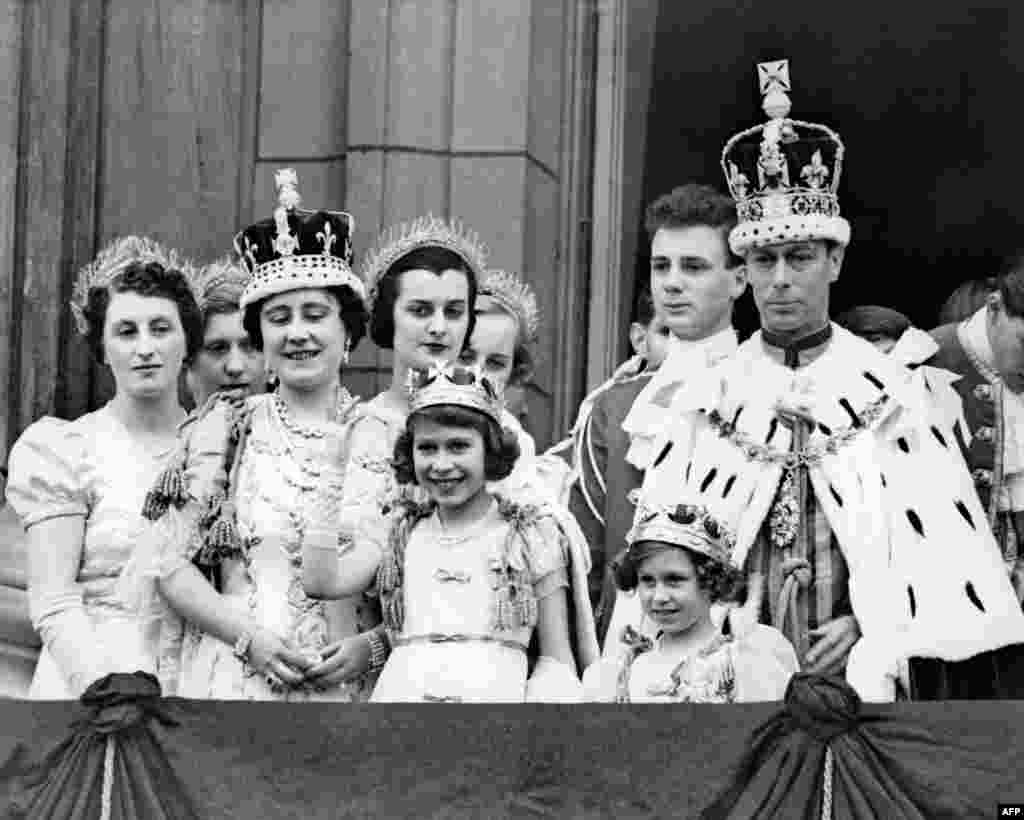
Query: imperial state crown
(784,174)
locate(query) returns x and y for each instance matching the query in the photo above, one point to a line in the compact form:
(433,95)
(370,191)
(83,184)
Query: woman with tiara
(256,478)
(79,485)
(227,359)
(503,345)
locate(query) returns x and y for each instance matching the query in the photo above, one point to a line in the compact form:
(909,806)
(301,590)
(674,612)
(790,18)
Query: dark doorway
(924,97)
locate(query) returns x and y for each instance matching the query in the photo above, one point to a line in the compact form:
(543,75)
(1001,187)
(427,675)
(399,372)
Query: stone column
(455,108)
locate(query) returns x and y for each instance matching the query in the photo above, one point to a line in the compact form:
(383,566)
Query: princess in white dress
(78,486)
(257,479)
(468,577)
(678,563)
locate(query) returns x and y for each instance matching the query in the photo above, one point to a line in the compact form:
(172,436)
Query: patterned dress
(94,468)
(272,478)
(754,665)
(451,644)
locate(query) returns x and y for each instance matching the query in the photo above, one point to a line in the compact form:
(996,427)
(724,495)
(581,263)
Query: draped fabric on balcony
(111,766)
(244,760)
(824,756)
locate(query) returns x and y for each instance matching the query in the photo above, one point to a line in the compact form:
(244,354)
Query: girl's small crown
(114,259)
(516,297)
(684,525)
(423,232)
(454,384)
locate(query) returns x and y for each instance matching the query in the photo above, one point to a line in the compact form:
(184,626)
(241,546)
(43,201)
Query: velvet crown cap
(296,248)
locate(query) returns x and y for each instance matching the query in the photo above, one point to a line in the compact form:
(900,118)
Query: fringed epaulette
(391,575)
(218,525)
(515,604)
(169,489)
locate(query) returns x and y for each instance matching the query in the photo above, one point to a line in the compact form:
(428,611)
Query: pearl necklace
(342,399)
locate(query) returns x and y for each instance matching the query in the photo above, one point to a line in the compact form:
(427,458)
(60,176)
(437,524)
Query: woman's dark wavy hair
(434,259)
(501,447)
(721,582)
(353,316)
(146,279)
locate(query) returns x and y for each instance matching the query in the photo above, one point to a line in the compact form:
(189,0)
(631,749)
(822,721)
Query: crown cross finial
(773,78)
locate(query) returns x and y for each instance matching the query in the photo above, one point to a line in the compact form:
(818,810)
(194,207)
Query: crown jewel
(784,174)
(685,525)
(296,248)
(514,296)
(423,232)
(454,384)
(113,259)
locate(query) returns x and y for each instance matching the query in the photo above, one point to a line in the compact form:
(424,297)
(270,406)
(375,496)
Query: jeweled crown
(114,258)
(784,174)
(454,384)
(684,525)
(296,248)
(423,232)
(516,297)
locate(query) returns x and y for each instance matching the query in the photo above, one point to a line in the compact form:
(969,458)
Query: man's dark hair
(692,205)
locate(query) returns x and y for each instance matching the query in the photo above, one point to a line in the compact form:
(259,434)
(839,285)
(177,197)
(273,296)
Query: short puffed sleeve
(44,472)
(548,556)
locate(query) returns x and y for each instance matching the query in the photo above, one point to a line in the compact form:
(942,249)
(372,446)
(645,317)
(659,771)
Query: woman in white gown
(79,485)
(257,478)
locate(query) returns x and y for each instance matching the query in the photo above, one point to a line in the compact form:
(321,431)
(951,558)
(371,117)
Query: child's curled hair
(721,581)
(501,447)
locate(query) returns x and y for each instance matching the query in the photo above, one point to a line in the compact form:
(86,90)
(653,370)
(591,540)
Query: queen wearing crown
(78,486)
(255,480)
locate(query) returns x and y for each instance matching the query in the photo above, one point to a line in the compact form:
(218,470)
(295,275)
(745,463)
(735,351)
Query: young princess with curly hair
(678,562)
(468,577)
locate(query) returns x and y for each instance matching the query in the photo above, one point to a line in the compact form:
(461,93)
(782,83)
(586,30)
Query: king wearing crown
(856,519)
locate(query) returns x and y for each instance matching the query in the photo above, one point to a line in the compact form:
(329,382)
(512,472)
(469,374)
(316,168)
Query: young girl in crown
(677,561)
(468,577)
